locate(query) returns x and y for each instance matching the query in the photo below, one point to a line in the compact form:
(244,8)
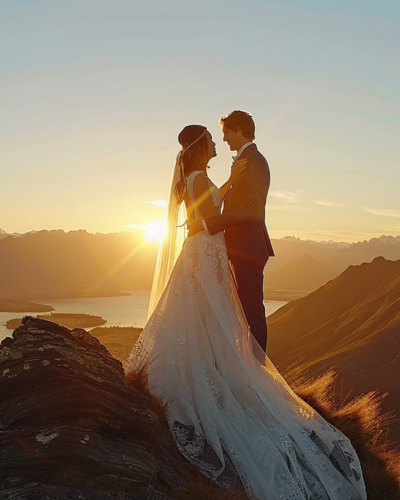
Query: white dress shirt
(240,151)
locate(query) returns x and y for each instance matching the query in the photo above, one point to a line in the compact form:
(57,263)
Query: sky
(93,94)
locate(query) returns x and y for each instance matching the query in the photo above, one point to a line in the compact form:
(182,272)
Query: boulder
(71,426)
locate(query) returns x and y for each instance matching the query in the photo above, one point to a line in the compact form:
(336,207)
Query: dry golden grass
(119,340)
(363,423)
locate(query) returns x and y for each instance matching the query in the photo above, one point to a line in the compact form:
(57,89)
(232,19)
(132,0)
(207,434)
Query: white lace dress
(227,409)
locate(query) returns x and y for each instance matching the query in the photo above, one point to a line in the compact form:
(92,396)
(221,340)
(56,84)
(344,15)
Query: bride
(229,410)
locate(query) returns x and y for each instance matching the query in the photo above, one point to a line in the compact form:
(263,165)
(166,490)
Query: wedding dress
(229,410)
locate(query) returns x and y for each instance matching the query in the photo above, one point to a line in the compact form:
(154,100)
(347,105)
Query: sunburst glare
(154,231)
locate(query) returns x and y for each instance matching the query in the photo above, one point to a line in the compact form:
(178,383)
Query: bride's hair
(194,153)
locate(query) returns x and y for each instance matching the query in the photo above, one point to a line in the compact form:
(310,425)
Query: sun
(154,231)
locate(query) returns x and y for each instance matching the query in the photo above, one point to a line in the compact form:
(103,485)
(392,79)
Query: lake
(118,311)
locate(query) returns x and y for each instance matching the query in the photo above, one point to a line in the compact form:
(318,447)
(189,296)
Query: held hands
(238,167)
(194,226)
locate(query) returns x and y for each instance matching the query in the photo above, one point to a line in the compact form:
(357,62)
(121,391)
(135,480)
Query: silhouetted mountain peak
(346,302)
(54,263)
(383,240)
(307,263)
(325,244)
(380,270)
(3,234)
(307,259)
(304,274)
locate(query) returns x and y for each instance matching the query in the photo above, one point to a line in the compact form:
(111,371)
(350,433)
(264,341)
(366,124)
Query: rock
(70,424)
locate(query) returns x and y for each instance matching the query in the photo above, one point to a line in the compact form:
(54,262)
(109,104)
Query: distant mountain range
(335,256)
(4,234)
(300,267)
(351,324)
(51,264)
(48,264)
(296,279)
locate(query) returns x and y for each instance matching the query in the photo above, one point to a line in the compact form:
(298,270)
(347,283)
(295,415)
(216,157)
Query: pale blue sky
(94,93)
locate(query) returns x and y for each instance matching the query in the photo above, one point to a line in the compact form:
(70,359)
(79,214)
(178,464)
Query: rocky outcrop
(70,424)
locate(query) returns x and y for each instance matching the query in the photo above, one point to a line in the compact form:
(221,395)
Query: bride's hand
(194,226)
(237,168)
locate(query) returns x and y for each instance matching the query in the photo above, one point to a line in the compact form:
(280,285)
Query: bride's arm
(202,197)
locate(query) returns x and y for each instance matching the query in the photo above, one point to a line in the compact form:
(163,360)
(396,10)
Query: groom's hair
(242,120)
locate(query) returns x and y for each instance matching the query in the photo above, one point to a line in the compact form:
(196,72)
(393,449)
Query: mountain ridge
(333,255)
(58,264)
(305,274)
(351,324)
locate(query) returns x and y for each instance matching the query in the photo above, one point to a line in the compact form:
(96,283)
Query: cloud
(157,203)
(286,207)
(385,212)
(285,195)
(328,203)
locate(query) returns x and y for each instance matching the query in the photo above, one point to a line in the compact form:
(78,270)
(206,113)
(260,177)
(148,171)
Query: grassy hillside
(351,324)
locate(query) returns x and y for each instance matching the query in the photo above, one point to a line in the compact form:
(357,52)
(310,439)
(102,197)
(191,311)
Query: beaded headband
(196,140)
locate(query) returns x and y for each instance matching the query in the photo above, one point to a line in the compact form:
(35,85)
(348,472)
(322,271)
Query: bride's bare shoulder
(200,183)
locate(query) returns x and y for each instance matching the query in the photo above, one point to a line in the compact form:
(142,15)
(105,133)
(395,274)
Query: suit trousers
(249,276)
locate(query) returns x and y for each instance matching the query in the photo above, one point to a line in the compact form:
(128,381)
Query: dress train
(230,411)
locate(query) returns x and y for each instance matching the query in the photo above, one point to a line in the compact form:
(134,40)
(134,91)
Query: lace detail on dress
(231,413)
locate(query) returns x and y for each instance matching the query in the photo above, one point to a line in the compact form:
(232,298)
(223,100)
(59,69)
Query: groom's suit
(247,240)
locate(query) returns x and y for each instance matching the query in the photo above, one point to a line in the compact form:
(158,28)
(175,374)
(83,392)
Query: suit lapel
(245,154)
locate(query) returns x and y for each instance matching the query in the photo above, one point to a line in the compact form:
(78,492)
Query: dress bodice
(214,193)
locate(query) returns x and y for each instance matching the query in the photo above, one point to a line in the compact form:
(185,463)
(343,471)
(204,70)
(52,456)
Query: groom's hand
(194,226)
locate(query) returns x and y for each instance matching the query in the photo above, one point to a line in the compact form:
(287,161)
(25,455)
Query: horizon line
(137,229)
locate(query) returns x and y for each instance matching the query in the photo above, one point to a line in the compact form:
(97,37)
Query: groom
(243,220)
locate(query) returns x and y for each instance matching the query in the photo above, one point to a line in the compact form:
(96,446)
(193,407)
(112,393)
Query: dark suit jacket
(243,218)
